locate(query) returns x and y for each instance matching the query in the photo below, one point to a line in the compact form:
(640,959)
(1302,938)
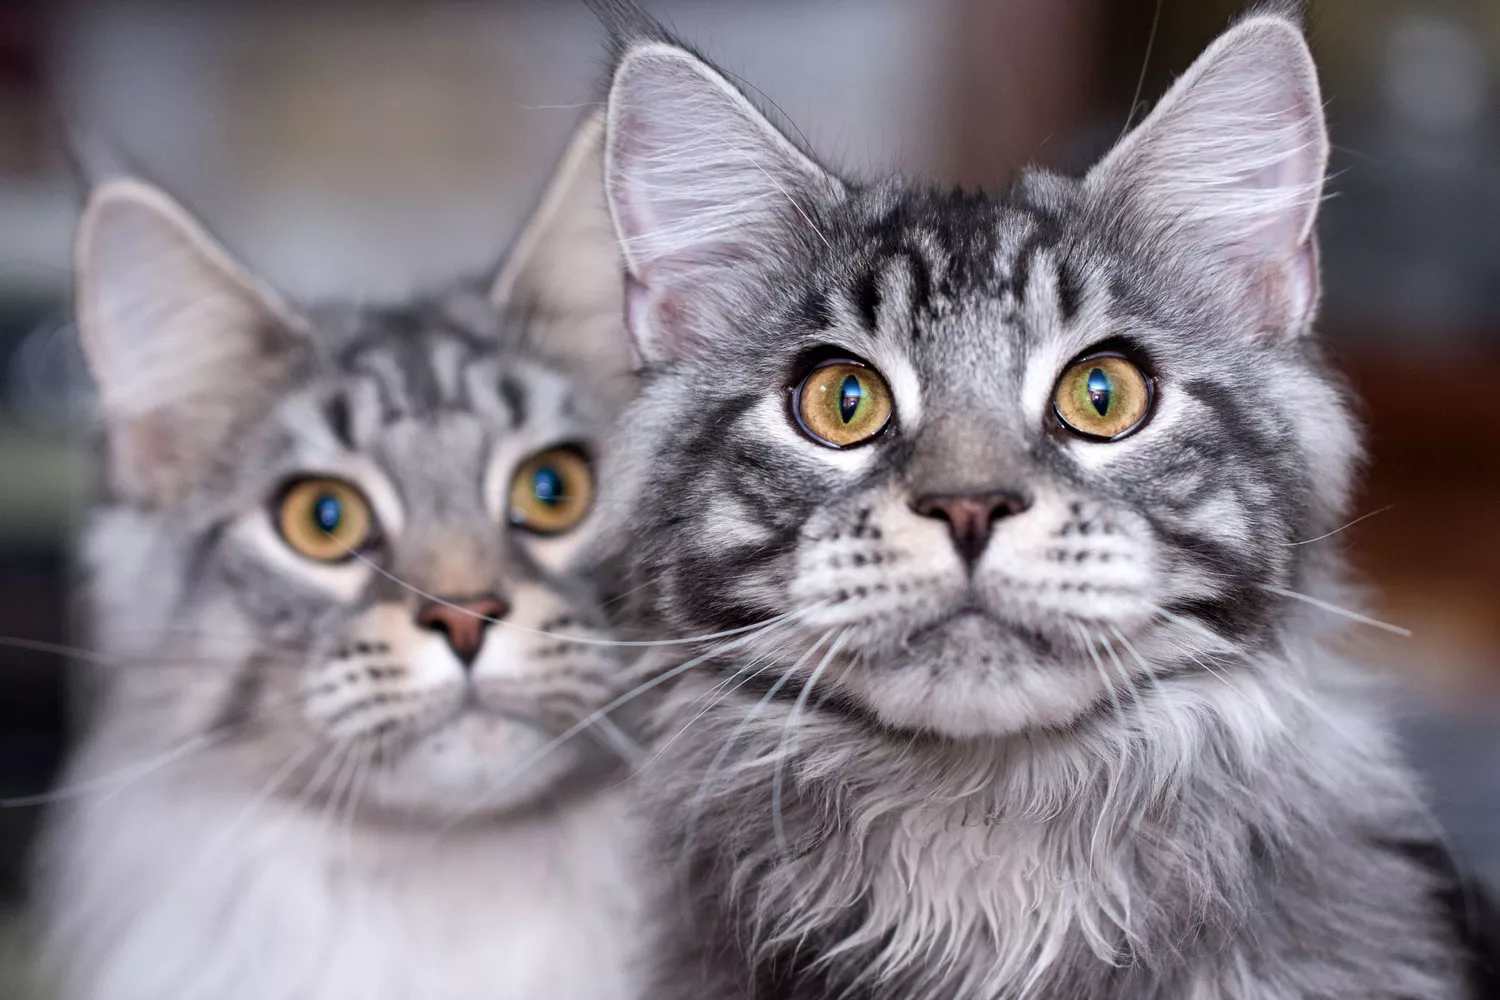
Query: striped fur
(1114,758)
(291,788)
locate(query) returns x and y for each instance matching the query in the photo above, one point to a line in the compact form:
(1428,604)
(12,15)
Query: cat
(339,550)
(1008,511)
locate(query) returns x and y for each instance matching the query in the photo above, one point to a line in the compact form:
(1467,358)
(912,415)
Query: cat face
(350,539)
(994,459)
(402,532)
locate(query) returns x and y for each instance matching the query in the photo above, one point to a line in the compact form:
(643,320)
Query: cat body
(895,865)
(340,590)
(1010,514)
(306,905)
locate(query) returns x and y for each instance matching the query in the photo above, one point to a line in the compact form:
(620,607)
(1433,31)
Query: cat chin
(973,676)
(480,765)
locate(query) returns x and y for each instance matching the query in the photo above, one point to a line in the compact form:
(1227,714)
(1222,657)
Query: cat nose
(463,622)
(971,515)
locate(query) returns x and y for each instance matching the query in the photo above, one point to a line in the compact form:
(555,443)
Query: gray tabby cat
(335,544)
(1025,495)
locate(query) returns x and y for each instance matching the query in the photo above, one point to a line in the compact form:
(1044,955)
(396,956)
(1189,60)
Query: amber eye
(842,404)
(551,491)
(1103,397)
(326,520)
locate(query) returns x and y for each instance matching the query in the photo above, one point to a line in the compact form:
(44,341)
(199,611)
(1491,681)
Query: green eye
(842,404)
(1104,397)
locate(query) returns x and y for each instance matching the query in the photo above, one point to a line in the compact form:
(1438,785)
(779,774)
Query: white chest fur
(213,896)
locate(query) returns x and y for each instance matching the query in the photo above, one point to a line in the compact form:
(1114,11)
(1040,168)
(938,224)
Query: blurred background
(367,149)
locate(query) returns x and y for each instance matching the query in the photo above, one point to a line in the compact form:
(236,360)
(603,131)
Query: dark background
(366,148)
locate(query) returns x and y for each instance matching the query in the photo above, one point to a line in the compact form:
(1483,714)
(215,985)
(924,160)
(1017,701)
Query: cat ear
(1234,158)
(700,184)
(563,276)
(181,341)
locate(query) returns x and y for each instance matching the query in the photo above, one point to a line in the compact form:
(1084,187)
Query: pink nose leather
(969,517)
(463,622)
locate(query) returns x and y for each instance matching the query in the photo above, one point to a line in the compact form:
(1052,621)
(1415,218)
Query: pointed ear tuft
(181,341)
(563,278)
(702,187)
(1233,160)
(628,25)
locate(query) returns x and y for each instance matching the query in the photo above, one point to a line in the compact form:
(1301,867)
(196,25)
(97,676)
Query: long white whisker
(578,727)
(356,791)
(123,777)
(210,850)
(1114,783)
(341,784)
(581,640)
(1145,667)
(1353,616)
(712,700)
(120,779)
(613,738)
(700,795)
(1342,527)
(779,771)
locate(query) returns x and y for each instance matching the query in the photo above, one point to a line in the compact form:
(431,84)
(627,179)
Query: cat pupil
(327,513)
(1099,393)
(850,393)
(548,486)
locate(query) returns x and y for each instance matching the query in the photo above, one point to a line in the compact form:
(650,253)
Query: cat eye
(326,520)
(551,491)
(1103,397)
(842,403)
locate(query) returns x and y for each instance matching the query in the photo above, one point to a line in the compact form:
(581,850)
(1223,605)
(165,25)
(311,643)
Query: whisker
(127,774)
(1109,687)
(341,783)
(1218,641)
(60,649)
(1114,783)
(597,714)
(786,732)
(120,779)
(1342,527)
(210,850)
(700,795)
(1140,83)
(582,640)
(610,735)
(745,675)
(1149,671)
(356,791)
(138,662)
(1353,616)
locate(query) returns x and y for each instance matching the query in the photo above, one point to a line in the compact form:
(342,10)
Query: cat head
(341,533)
(995,458)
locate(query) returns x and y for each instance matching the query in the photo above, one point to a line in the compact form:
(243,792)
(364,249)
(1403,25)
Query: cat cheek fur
(1141,773)
(255,808)
(1070,570)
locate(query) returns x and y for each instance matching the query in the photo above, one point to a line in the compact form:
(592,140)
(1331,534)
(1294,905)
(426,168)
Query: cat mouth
(971,625)
(967,618)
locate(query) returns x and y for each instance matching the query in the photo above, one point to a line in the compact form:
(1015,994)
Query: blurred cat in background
(338,550)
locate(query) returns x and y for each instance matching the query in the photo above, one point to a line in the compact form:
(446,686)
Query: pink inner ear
(147,452)
(661,328)
(1284,289)
(1302,283)
(637,320)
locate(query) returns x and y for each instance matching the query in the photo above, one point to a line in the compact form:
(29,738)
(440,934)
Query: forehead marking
(885,283)
(513,395)
(448,357)
(336,413)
